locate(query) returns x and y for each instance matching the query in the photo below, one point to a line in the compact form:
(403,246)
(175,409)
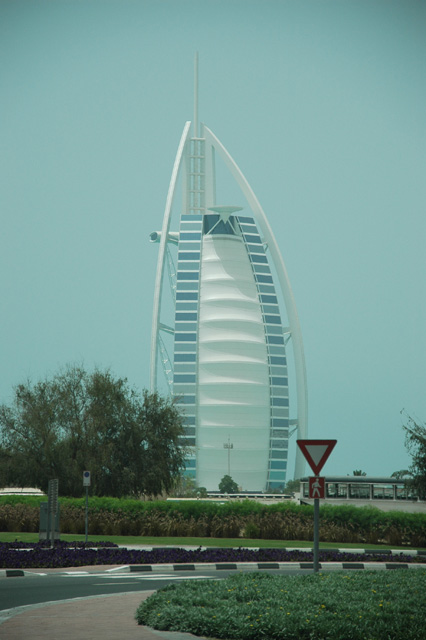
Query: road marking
(113,584)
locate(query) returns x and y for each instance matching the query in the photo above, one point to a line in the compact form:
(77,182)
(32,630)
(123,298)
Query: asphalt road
(35,588)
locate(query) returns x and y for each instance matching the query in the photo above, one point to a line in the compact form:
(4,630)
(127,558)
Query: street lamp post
(229,445)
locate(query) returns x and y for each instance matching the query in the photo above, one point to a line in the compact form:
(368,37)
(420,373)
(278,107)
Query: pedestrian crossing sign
(317,487)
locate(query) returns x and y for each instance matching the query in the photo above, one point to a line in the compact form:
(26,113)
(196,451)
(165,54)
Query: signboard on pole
(316,452)
(317,487)
(86,478)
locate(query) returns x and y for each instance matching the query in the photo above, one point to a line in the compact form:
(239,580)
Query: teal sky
(322,105)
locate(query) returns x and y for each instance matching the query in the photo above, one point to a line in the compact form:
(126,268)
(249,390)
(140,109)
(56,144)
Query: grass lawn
(359,605)
(9,536)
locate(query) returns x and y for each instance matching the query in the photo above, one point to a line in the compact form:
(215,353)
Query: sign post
(52,508)
(86,484)
(316,453)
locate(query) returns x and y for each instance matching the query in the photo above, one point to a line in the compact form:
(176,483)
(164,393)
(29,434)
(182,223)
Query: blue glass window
(188,442)
(189,346)
(190,226)
(261,278)
(261,268)
(259,258)
(190,235)
(274,329)
(278,360)
(189,266)
(282,381)
(189,295)
(273,319)
(184,367)
(279,454)
(279,422)
(279,443)
(189,473)
(184,377)
(180,390)
(189,420)
(185,337)
(266,288)
(271,308)
(279,392)
(278,476)
(252,239)
(186,315)
(184,284)
(278,370)
(186,306)
(278,351)
(245,219)
(188,255)
(279,412)
(271,299)
(186,400)
(188,275)
(280,402)
(278,464)
(279,433)
(275,340)
(190,431)
(186,326)
(189,246)
(185,357)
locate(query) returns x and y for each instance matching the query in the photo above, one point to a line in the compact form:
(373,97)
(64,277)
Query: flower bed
(62,555)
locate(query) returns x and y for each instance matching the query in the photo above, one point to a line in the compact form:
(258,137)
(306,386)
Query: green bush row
(247,519)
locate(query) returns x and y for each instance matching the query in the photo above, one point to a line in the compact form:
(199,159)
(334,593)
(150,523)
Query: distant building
(21,491)
(387,494)
(226,329)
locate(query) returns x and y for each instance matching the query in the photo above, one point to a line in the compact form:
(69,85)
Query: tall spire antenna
(195,131)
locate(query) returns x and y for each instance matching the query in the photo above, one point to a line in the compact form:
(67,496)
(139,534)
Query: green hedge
(246,519)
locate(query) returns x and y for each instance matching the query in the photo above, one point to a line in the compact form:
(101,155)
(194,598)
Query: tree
(58,428)
(415,442)
(292,486)
(401,474)
(186,487)
(228,485)
(358,472)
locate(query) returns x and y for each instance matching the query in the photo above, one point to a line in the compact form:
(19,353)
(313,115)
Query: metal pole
(86,523)
(195,131)
(229,460)
(229,445)
(316,535)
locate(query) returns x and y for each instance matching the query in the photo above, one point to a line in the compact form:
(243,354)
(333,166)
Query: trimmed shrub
(281,521)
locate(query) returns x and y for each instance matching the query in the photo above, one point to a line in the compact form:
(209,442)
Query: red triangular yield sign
(316,452)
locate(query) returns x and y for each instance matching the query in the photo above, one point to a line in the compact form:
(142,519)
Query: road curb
(227,566)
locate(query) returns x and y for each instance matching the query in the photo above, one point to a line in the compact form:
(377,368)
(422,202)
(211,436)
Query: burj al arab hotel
(218,329)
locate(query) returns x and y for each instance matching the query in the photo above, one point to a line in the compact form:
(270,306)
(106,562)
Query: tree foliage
(76,421)
(228,485)
(292,486)
(415,441)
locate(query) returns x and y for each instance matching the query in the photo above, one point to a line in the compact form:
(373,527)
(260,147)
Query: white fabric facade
(230,370)
(233,376)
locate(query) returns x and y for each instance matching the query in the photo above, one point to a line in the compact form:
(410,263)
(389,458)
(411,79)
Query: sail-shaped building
(222,341)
